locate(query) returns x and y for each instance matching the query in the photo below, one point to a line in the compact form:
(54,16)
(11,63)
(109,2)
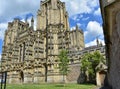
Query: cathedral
(31,55)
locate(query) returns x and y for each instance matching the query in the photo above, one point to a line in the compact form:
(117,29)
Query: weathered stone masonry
(27,51)
(24,51)
(111,24)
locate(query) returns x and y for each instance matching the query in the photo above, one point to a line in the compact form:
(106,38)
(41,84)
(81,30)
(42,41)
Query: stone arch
(100,78)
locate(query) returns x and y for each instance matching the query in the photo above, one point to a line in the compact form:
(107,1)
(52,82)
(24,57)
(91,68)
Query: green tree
(89,63)
(63,65)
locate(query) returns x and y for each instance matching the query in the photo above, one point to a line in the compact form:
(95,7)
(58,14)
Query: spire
(77,27)
(27,24)
(32,22)
(101,44)
(97,41)
(25,20)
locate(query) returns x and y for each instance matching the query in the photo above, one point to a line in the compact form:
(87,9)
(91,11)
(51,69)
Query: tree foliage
(63,63)
(89,62)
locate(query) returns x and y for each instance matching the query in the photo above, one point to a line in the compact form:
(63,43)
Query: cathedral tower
(52,12)
(31,56)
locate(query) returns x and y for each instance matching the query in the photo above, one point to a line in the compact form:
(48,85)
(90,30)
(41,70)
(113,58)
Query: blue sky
(85,13)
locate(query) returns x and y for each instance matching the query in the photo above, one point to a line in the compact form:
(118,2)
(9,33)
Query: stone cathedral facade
(26,52)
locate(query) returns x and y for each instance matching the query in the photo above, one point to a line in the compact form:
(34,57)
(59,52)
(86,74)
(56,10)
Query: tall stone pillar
(111,24)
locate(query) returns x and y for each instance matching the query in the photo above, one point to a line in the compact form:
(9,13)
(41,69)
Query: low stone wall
(74,73)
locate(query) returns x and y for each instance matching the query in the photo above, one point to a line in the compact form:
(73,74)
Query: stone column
(98,79)
(61,15)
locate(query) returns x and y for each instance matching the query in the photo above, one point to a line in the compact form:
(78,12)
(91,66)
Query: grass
(51,86)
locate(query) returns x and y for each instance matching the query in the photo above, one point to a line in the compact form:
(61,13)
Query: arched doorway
(21,76)
(100,78)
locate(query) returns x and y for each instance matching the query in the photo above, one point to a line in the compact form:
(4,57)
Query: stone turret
(54,4)
(53,12)
(77,38)
(32,23)
(97,41)
(77,28)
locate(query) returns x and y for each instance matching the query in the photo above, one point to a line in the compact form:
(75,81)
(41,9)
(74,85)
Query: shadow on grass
(60,85)
(87,84)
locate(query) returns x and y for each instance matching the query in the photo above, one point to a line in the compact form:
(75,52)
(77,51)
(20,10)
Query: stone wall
(74,73)
(114,68)
(111,24)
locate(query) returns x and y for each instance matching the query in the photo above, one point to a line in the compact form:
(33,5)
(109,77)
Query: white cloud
(93,3)
(75,17)
(79,24)
(22,7)
(3,27)
(92,43)
(9,9)
(97,12)
(76,5)
(86,18)
(93,30)
(81,16)
(81,6)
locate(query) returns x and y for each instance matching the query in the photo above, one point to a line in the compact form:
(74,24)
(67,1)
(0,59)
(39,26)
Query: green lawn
(51,86)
